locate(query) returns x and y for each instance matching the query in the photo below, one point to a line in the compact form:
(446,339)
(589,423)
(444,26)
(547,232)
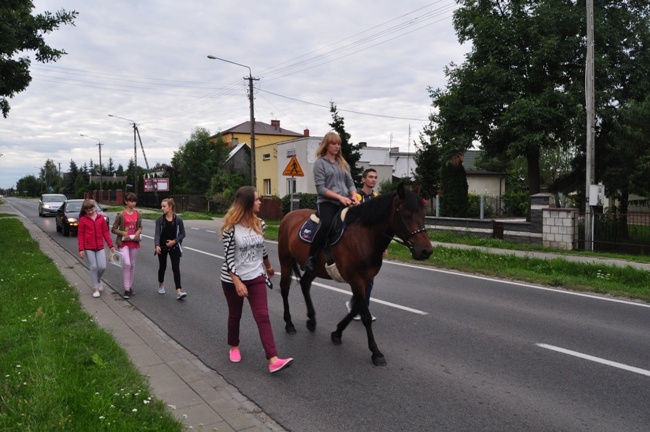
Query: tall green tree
(453,182)
(521,90)
(49,176)
(70,179)
(427,160)
(197,161)
(350,152)
(21,31)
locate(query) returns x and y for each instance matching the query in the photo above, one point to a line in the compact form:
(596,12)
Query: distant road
(464,352)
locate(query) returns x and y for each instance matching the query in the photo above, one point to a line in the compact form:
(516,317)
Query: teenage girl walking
(128,228)
(245,274)
(170,232)
(92,232)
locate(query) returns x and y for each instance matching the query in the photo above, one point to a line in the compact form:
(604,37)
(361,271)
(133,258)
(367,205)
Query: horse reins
(405,241)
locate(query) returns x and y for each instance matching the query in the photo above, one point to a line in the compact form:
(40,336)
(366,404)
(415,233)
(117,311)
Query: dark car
(67,217)
(50,203)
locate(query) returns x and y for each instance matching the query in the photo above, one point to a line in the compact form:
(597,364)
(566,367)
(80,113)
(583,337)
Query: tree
(427,160)
(518,92)
(350,152)
(110,168)
(29,186)
(22,31)
(453,182)
(70,179)
(198,161)
(49,175)
(521,90)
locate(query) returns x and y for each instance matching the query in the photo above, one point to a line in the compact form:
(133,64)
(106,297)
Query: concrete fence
(548,226)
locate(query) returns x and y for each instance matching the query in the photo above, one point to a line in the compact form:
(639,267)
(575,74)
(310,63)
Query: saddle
(308,229)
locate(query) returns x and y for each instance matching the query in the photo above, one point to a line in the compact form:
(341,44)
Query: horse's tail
(296,269)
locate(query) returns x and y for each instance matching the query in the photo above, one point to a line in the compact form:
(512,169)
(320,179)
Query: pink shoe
(280,364)
(235,355)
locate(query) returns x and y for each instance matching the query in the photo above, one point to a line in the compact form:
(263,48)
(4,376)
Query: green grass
(626,282)
(151,214)
(59,369)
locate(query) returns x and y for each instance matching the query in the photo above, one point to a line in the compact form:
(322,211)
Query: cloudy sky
(146,61)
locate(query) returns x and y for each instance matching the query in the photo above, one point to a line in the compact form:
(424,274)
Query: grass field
(60,370)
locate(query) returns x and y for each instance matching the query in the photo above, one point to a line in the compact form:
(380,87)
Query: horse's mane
(378,209)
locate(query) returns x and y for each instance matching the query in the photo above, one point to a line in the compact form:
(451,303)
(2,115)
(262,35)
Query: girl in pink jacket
(91,234)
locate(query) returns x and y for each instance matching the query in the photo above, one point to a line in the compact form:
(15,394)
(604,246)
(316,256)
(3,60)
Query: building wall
(490,185)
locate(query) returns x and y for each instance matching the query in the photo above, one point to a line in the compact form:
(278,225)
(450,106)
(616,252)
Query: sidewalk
(197,395)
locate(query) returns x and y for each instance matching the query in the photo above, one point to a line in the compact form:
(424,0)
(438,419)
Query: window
(267,186)
(291,185)
(267,156)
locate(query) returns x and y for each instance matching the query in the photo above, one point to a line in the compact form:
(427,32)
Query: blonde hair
(241,211)
(331,138)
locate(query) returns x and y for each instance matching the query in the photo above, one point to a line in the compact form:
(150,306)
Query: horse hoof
(311,326)
(379,361)
(290,329)
(336,339)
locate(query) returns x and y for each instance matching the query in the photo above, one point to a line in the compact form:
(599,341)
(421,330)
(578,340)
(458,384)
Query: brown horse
(370,227)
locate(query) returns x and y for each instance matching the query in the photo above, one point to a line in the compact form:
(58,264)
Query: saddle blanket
(308,229)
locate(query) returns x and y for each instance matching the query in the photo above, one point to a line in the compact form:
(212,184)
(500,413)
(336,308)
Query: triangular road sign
(293,168)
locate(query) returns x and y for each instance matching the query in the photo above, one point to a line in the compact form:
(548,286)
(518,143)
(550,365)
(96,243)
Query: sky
(146,62)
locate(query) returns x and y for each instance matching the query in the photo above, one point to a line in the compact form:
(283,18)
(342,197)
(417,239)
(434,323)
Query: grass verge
(60,370)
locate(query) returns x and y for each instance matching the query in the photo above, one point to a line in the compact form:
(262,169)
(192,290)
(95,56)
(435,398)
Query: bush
(515,203)
(307,201)
(474,207)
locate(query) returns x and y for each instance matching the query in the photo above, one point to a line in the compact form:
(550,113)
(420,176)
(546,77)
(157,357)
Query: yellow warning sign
(293,168)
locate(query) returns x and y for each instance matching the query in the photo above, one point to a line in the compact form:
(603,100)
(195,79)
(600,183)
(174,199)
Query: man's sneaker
(357,317)
(161,289)
(127,295)
(181,295)
(280,364)
(96,294)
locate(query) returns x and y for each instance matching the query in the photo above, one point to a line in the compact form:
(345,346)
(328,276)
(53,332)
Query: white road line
(331,288)
(210,231)
(195,229)
(596,359)
(506,282)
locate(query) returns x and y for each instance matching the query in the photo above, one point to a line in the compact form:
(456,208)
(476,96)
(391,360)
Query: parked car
(50,203)
(67,217)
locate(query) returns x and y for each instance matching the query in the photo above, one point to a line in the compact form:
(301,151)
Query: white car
(50,203)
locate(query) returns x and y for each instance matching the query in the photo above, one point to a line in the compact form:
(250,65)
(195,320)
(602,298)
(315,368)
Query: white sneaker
(181,295)
(161,289)
(96,294)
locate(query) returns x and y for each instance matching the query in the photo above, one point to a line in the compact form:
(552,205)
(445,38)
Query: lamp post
(252,113)
(99,143)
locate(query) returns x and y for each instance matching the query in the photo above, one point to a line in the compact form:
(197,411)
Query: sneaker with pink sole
(280,364)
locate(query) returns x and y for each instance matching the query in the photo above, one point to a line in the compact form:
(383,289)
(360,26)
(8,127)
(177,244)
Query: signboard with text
(156,185)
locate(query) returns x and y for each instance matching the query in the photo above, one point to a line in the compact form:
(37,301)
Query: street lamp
(252,109)
(99,143)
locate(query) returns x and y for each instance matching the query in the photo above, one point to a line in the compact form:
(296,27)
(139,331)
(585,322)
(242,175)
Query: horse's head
(408,223)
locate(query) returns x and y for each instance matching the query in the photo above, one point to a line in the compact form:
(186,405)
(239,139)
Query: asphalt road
(464,353)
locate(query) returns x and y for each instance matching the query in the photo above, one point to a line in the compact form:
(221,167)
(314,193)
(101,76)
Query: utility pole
(99,143)
(251,101)
(591,120)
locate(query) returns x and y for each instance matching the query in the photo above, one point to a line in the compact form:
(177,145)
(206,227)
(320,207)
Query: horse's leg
(366,318)
(338,333)
(285,285)
(305,285)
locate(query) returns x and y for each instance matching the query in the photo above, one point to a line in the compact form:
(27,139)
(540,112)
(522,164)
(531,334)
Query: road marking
(595,359)
(506,282)
(210,231)
(195,229)
(329,287)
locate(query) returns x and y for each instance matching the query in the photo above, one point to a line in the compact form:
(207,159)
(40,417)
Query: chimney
(306,132)
(275,124)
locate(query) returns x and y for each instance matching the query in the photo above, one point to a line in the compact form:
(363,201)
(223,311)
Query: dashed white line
(595,359)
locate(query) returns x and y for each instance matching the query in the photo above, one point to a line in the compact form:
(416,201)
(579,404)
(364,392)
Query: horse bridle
(405,241)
